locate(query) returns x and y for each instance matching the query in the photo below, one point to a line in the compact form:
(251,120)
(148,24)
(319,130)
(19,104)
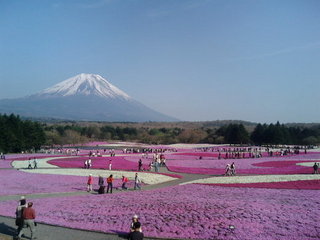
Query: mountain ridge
(84,84)
(84,97)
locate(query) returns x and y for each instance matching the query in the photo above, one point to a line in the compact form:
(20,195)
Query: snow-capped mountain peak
(85,84)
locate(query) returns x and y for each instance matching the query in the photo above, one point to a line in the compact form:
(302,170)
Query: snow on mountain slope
(85,84)
(85,97)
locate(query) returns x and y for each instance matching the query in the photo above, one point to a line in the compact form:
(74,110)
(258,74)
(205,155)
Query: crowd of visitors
(109,181)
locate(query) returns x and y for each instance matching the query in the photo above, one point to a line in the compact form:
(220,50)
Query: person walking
(233,169)
(101,185)
(110,165)
(315,168)
(29,216)
(227,172)
(89,183)
(89,163)
(137,182)
(100,181)
(124,183)
(35,163)
(140,165)
(109,182)
(19,213)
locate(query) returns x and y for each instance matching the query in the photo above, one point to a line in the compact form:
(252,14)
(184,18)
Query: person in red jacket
(29,215)
(89,183)
(109,182)
(124,183)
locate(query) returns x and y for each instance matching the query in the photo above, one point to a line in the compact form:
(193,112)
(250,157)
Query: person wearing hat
(136,234)
(19,213)
(89,183)
(135,219)
(28,215)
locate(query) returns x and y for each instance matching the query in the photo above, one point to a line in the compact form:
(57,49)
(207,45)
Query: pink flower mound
(303,184)
(5,164)
(17,182)
(274,165)
(118,163)
(189,211)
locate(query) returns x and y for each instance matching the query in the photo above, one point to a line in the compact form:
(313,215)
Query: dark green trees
(281,134)
(17,135)
(234,134)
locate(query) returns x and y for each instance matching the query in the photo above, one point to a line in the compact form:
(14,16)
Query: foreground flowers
(189,211)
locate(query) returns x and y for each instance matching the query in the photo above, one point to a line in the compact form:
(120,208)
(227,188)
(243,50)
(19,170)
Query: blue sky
(195,60)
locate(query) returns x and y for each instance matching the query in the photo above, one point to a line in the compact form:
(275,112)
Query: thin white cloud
(290,50)
(281,52)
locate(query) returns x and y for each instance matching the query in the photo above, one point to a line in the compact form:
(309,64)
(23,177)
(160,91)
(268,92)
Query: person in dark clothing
(315,168)
(101,181)
(136,234)
(19,213)
(140,165)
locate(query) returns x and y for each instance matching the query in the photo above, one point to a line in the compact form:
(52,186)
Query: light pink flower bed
(18,182)
(5,164)
(189,211)
(274,165)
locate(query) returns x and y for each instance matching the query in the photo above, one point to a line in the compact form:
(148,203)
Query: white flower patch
(256,179)
(41,162)
(147,178)
(308,164)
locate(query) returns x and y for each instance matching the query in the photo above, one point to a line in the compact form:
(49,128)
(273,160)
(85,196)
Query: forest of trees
(25,135)
(20,135)
(232,133)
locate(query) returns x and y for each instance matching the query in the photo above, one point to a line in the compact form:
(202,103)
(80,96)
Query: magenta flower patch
(266,165)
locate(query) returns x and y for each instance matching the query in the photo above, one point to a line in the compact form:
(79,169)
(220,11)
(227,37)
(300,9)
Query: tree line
(25,135)
(20,135)
(232,133)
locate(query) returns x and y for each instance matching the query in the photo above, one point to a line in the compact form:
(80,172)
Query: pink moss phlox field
(189,211)
(5,164)
(18,182)
(118,163)
(271,165)
(303,184)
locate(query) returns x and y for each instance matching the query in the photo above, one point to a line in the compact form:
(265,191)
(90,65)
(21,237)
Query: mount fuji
(85,97)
